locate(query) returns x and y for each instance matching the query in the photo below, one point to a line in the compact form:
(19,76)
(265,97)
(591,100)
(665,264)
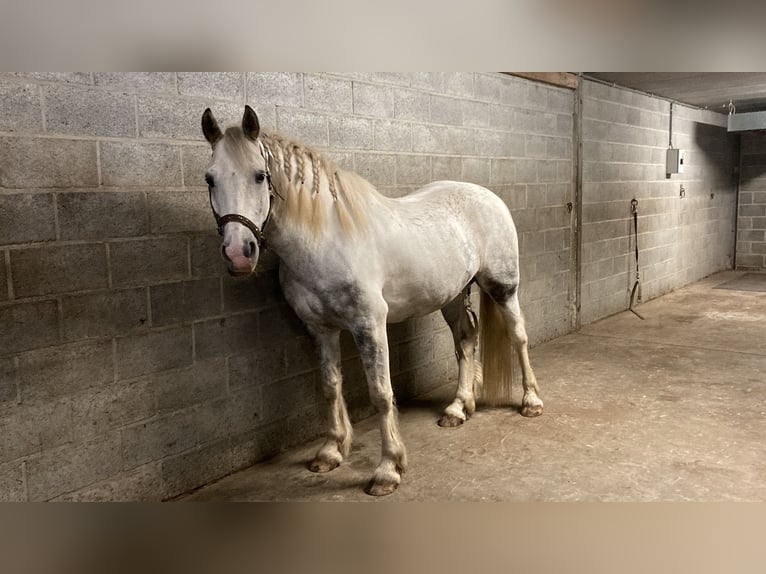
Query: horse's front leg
(371,340)
(338,442)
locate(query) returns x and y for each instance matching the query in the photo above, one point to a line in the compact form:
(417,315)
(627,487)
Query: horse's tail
(497,357)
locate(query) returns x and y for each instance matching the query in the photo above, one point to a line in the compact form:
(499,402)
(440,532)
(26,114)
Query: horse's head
(240,189)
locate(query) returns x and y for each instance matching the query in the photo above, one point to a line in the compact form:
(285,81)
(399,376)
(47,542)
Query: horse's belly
(416,295)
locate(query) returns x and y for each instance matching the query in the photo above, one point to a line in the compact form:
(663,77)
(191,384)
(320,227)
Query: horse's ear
(210,127)
(250,126)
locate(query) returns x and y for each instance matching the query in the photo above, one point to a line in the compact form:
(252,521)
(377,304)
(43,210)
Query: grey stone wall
(751,224)
(625,135)
(131,365)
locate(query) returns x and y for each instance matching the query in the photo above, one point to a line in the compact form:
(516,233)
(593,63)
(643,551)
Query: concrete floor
(672,408)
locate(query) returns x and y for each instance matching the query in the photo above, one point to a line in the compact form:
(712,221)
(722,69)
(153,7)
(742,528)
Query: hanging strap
(637,285)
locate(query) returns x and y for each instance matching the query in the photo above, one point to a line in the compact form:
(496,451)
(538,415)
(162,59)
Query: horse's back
(445,233)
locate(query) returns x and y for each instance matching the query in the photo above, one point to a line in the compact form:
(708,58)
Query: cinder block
(280,323)
(175,118)
(74,466)
(398,78)
(22,110)
(416,352)
(203,381)
(185,301)
(751,235)
(259,366)
(124,164)
(206,257)
(306,424)
(173,433)
(327,94)
(412,105)
(373,100)
(152,352)
(244,411)
(145,261)
(140,81)
(284,398)
(68,77)
(195,160)
(104,314)
(475,114)
(26,217)
(392,136)
(308,128)
(140,484)
(3,278)
(8,383)
(301,356)
(378,169)
(27,429)
(188,470)
(53,372)
(280,88)
(503,171)
(12,483)
(252,292)
(476,170)
(754,210)
(413,169)
(442,139)
(446,110)
(459,83)
(526,171)
(255,445)
(351,132)
(224,85)
(100,215)
(226,336)
(60,269)
(35,162)
(446,168)
(492,88)
(77,111)
(180,211)
(431,81)
(28,326)
(96,412)
(499,144)
(535,146)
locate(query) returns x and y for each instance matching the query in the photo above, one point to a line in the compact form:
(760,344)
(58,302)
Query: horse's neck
(312,226)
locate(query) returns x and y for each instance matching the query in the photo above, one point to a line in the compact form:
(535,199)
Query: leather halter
(258,232)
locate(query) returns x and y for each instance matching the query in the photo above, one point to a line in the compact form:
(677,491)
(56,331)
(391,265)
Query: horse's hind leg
(338,442)
(531,404)
(462,321)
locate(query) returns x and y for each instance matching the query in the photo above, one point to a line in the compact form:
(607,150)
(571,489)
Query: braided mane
(304,180)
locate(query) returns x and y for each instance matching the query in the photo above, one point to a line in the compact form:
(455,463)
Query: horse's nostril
(250,249)
(223,252)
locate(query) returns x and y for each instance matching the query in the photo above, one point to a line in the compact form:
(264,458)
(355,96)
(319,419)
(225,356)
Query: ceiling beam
(561,79)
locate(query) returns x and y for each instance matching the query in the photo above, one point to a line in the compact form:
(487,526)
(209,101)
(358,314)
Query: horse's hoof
(319,465)
(532,410)
(381,488)
(450,421)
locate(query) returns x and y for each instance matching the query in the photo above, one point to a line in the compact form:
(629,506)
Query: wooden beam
(561,79)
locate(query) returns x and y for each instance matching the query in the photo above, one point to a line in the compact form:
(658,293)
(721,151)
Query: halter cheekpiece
(258,232)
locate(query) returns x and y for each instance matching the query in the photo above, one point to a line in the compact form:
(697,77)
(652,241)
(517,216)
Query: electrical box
(674,161)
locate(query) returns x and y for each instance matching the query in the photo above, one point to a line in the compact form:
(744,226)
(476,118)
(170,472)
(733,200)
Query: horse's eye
(260,176)
(209,179)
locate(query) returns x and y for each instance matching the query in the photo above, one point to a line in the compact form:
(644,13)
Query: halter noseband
(258,232)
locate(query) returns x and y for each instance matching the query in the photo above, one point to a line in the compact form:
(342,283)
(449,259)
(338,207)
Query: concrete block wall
(751,224)
(131,365)
(625,135)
